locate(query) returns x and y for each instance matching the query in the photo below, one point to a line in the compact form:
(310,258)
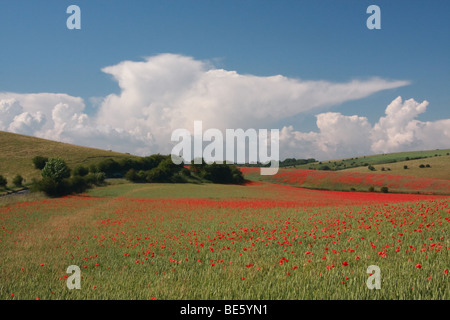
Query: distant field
(17,152)
(439,168)
(364,161)
(352,181)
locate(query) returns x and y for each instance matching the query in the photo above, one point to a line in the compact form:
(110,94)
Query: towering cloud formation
(171,91)
(340,136)
(167,91)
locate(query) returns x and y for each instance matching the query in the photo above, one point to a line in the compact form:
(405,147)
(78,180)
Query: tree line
(58,179)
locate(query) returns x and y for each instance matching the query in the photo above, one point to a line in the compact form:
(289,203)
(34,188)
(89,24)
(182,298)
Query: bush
(384,189)
(97,179)
(178,178)
(39,162)
(18,180)
(80,171)
(371,189)
(51,187)
(56,169)
(134,176)
(109,166)
(371,168)
(3,181)
(428,166)
(77,184)
(422,166)
(405,167)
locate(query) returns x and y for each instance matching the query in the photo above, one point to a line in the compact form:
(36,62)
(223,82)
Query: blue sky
(305,40)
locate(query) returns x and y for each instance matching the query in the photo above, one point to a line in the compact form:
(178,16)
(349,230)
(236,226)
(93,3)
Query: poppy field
(258,241)
(353,181)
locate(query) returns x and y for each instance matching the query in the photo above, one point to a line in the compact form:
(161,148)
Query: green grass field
(260,240)
(177,241)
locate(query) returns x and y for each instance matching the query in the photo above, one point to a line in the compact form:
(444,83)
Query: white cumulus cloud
(168,91)
(341,136)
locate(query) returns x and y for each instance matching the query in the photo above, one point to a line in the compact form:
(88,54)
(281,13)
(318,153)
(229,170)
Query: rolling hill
(433,167)
(380,159)
(17,152)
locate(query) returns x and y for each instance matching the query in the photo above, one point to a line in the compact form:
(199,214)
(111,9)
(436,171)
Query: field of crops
(353,181)
(259,241)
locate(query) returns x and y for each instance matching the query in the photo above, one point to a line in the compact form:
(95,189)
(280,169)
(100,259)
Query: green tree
(80,171)
(3,181)
(18,180)
(39,162)
(56,169)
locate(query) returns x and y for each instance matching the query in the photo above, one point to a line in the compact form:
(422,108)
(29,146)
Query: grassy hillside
(390,158)
(17,152)
(439,168)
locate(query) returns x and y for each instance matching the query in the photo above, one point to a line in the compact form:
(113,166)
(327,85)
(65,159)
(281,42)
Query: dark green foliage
(50,187)
(109,166)
(39,162)
(405,167)
(132,176)
(324,167)
(371,189)
(422,166)
(384,189)
(371,168)
(156,168)
(18,180)
(3,181)
(218,173)
(75,184)
(56,169)
(97,179)
(93,168)
(80,171)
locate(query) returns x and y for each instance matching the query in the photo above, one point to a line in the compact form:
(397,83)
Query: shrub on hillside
(3,181)
(51,187)
(384,189)
(97,179)
(135,176)
(109,167)
(18,180)
(56,169)
(39,162)
(80,171)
